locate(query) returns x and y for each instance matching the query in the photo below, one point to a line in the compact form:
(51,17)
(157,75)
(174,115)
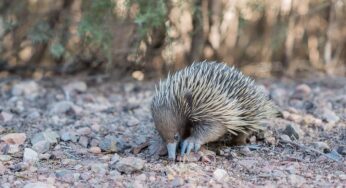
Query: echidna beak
(171,148)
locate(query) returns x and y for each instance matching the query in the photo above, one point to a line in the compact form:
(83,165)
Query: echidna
(201,103)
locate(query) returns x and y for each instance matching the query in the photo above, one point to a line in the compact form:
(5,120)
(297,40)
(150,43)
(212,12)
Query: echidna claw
(189,148)
(197,147)
(183,147)
(187,145)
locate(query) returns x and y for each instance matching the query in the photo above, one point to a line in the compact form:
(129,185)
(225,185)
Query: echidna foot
(188,144)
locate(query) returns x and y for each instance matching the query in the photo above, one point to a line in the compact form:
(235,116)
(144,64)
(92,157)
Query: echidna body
(203,102)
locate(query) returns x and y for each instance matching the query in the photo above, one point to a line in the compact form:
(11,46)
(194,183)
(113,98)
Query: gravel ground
(78,133)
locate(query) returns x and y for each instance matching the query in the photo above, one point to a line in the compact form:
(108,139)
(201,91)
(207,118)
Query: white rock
(329,116)
(30,155)
(5,158)
(220,175)
(60,107)
(13,148)
(26,88)
(286,138)
(78,86)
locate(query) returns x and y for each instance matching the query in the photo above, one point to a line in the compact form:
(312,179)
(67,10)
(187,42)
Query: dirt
(84,133)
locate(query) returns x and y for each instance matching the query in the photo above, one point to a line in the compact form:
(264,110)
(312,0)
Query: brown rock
(310,119)
(95,150)
(295,118)
(270,140)
(14,138)
(84,131)
(302,91)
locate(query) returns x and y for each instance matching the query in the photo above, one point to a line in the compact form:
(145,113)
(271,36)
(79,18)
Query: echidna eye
(176,137)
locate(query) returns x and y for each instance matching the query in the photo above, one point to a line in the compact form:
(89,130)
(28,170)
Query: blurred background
(148,38)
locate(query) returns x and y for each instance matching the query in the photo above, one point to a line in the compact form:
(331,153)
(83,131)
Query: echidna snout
(170,127)
(201,103)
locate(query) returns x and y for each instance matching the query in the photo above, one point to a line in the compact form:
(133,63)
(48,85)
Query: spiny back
(219,94)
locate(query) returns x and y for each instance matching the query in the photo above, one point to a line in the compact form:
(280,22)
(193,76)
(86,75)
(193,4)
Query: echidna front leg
(201,134)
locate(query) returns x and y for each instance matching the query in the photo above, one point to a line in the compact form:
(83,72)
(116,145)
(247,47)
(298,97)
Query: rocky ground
(84,133)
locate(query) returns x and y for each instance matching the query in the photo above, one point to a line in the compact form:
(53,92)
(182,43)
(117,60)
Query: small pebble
(99,168)
(96,127)
(329,116)
(302,91)
(5,158)
(69,136)
(109,144)
(322,146)
(95,150)
(342,150)
(41,146)
(84,141)
(76,86)
(115,158)
(292,131)
(285,137)
(50,136)
(84,131)
(130,164)
(44,156)
(60,107)
(5,117)
(220,175)
(30,156)
(245,151)
(33,115)
(177,182)
(271,140)
(13,148)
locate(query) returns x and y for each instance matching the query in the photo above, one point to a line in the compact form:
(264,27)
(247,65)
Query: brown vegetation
(261,37)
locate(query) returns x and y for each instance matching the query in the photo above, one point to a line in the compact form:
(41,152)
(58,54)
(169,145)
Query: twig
(308,149)
(21,176)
